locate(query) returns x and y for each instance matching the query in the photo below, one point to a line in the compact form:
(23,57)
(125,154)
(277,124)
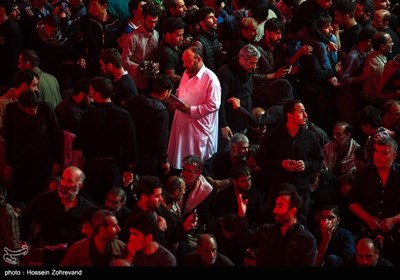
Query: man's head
(385,151)
(382,42)
(248,57)
(381,19)
(382,4)
(26,79)
(175,8)
(101,89)
(80,93)
(192,168)
(342,134)
(149,192)
(364,10)
(294,112)
(241,178)
(151,13)
(238,147)
(369,120)
(115,200)
(367,252)
(365,37)
(329,216)
(51,25)
(143,230)
(324,23)
(162,86)
(248,28)
(105,225)
(207,249)
(135,8)
(98,8)
(28,102)
(287,206)
(28,59)
(391,113)
(273,29)
(176,187)
(192,60)
(258,9)
(344,13)
(110,61)
(206,19)
(70,184)
(174,30)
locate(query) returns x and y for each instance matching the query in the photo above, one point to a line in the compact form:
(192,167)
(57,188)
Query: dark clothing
(194,259)
(95,37)
(272,117)
(124,90)
(341,244)
(278,145)
(10,48)
(33,144)
(306,15)
(227,202)
(235,82)
(151,119)
(218,166)
(169,58)
(377,200)
(107,140)
(349,38)
(211,49)
(353,263)
(69,114)
(297,248)
(236,45)
(57,226)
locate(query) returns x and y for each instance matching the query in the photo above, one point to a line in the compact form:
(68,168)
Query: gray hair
(249,51)
(238,138)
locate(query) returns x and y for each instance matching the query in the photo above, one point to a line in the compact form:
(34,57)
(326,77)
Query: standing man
(141,45)
(124,85)
(236,80)
(195,126)
(107,140)
(290,154)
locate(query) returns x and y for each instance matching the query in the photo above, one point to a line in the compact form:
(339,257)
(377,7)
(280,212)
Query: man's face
(281,211)
(299,115)
(340,137)
(210,23)
(175,38)
(190,173)
(273,37)
(34,85)
(191,63)
(240,150)
(340,19)
(383,157)
(69,185)
(15,14)
(378,21)
(243,183)
(389,44)
(179,10)
(208,251)
(105,70)
(155,199)
(393,116)
(112,230)
(113,203)
(359,14)
(150,23)
(327,216)
(248,65)
(96,9)
(327,30)
(50,31)
(249,32)
(366,255)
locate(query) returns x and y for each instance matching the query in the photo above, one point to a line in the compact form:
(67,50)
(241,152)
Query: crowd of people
(199,133)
